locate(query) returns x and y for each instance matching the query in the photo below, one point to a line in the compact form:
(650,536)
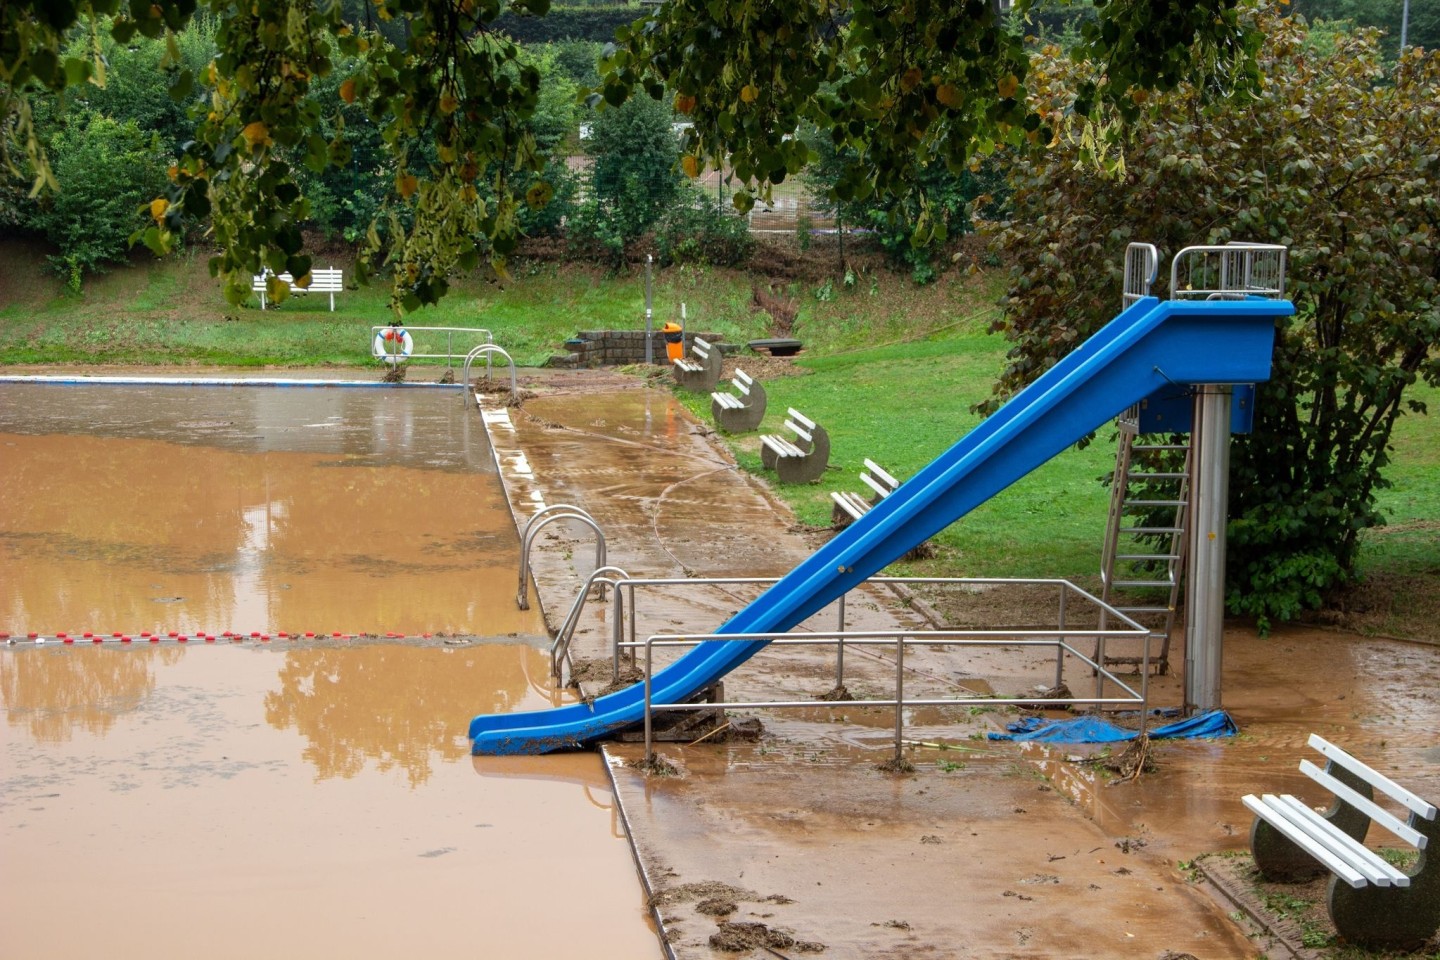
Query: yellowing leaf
(347,91)
(684,104)
(910,79)
(448,103)
(1008,85)
(406,184)
(950,96)
(749,93)
(158,206)
(691,165)
(257,134)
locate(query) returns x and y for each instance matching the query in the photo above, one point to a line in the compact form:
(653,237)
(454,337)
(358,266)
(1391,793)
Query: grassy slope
(894,370)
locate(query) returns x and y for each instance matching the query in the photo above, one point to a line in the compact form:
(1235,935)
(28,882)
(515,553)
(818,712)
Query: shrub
(109,170)
(698,229)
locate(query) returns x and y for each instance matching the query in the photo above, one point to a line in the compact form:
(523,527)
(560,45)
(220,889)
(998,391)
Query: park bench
(1373,903)
(800,460)
(741,411)
(329,280)
(702,373)
(850,507)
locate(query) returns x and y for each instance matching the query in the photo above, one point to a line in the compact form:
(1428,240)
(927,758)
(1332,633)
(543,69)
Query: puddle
(312,799)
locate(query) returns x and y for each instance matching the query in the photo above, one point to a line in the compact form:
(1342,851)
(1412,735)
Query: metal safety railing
(488,351)
(424,347)
(900,640)
(542,519)
(1229,272)
(624,616)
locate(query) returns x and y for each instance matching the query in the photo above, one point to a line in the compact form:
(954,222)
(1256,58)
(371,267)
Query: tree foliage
(1333,158)
(904,85)
(111,170)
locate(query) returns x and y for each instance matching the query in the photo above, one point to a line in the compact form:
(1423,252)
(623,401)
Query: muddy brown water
(316,799)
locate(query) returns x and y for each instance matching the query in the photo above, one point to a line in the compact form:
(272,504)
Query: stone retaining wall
(612,348)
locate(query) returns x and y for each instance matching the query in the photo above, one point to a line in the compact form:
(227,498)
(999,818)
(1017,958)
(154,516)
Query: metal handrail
(1142,264)
(1229,271)
(543,518)
(560,646)
(978,638)
(449,355)
(488,349)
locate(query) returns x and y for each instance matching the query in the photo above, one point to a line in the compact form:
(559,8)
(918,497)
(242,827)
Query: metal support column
(1205,589)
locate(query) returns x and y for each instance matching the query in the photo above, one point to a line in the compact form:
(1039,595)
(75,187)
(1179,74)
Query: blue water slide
(1153,344)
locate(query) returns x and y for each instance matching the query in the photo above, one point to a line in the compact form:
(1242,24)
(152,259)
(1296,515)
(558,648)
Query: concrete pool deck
(798,841)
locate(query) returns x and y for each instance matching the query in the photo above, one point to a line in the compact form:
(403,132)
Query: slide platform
(1152,345)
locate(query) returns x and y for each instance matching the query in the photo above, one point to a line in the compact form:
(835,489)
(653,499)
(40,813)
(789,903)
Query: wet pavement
(986,849)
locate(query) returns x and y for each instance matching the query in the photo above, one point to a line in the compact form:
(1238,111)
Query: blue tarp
(1216,723)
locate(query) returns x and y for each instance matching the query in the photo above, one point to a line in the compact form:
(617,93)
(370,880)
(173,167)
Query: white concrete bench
(741,411)
(702,373)
(800,460)
(850,506)
(329,280)
(1372,902)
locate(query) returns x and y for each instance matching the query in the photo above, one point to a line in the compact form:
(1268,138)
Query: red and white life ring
(400,337)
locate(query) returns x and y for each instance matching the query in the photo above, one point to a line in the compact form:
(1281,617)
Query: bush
(108,171)
(699,229)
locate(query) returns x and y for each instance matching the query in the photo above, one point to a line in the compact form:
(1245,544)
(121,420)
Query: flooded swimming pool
(244,797)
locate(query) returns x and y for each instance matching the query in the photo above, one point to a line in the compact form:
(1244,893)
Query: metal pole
(683,324)
(1205,586)
(840,647)
(649,665)
(1404,24)
(649,315)
(899,696)
(1060,648)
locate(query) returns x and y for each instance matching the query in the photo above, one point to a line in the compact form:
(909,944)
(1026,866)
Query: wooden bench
(329,280)
(703,372)
(800,460)
(850,507)
(741,411)
(1373,903)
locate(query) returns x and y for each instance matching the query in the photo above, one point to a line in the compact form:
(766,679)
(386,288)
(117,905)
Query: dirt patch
(762,367)
(705,890)
(1286,919)
(1390,605)
(738,937)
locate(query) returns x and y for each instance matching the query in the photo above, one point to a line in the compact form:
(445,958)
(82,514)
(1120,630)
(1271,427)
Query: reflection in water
(250,510)
(53,692)
(400,707)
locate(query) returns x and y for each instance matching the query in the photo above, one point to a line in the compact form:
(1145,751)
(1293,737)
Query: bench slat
(850,503)
(743,380)
(879,471)
(727,401)
(1368,807)
(879,488)
(800,418)
(799,431)
(1280,821)
(781,446)
(1362,858)
(1409,800)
